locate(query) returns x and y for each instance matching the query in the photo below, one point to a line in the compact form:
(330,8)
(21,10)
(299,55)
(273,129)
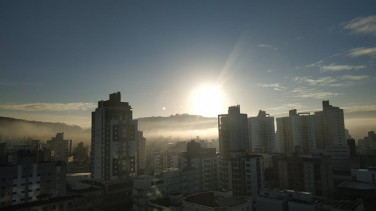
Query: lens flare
(207,102)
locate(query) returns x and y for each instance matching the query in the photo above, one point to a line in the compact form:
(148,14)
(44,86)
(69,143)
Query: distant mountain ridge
(14,129)
(155,128)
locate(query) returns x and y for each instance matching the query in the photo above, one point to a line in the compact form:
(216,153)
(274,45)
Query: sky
(58,58)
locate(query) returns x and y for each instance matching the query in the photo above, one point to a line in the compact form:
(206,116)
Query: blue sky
(57,59)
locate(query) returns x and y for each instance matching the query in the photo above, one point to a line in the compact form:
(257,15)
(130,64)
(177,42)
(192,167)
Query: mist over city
(187,105)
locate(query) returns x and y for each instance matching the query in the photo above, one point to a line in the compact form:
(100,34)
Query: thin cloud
(334,67)
(354,77)
(303,92)
(276,86)
(50,107)
(356,52)
(269,71)
(317,64)
(362,26)
(287,107)
(358,108)
(320,81)
(340,81)
(268,46)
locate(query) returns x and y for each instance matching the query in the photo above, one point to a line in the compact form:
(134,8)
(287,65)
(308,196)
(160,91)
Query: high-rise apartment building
(114,140)
(262,133)
(243,174)
(330,126)
(141,147)
(306,173)
(367,146)
(296,133)
(165,160)
(233,132)
(206,161)
(61,149)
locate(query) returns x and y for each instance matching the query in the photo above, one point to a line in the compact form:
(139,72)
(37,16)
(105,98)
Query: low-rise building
(162,184)
(206,161)
(244,174)
(62,203)
(364,175)
(306,173)
(165,160)
(28,181)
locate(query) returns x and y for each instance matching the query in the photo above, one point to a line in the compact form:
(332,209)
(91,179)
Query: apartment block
(114,140)
(262,133)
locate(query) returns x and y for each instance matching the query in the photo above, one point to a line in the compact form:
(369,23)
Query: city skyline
(263,56)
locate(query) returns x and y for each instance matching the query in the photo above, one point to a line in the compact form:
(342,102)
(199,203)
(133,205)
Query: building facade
(262,133)
(61,149)
(306,173)
(28,181)
(233,132)
(296,133)
(163,184)
(141,147)
(114,140)
(243,174)
(165,160)
(330,126)
(207,163)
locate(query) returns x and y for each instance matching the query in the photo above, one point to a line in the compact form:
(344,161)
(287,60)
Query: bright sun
(207,102)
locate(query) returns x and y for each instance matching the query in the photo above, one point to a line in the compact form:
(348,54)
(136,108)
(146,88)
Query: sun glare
(207,102)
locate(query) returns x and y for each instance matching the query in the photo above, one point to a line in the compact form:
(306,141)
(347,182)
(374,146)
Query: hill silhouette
(172,128)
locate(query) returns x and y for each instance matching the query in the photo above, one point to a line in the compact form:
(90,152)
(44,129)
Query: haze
(57,59)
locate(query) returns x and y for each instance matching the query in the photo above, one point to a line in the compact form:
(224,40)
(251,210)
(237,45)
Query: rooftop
(37,203)
(165,202)
(209,200)
(358,185)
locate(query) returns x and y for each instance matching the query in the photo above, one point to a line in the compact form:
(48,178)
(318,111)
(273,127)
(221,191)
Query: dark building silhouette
(114,140)
(233,132)
(305,173)
(351,144)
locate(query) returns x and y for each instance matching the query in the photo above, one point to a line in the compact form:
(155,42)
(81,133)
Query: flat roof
(358,185)
(37,203)
(209,200)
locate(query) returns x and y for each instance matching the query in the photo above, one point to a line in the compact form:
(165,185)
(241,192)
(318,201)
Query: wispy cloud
(340,81)
(269,71)
(356,52)
(303,92)
(276,86)
(362,26)
(354,77)
(334,67)
(357,108)
(320,81)
(268,46)
(49,107)
(286,107)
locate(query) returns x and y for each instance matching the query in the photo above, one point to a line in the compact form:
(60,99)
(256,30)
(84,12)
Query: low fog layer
(15,130)
(178,127)
(156,129)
